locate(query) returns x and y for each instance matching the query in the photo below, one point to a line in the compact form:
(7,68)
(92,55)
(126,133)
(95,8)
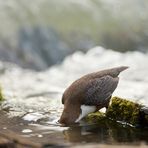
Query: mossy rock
(1,95)
(97,116)
(122,110)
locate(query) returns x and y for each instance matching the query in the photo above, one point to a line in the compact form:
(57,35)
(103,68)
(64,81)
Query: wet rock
(5,143)
(1,96)
(123,111)
(97,116)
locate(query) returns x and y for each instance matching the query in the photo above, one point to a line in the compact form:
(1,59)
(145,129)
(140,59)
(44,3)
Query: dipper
(89,94)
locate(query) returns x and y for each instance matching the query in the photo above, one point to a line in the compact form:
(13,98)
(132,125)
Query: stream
(33,105)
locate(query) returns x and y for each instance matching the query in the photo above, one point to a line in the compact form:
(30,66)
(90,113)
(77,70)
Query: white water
(39,93)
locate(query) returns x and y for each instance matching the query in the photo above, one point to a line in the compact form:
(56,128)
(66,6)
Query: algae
(97,116)
(1,95)
(124,110)
(121,110)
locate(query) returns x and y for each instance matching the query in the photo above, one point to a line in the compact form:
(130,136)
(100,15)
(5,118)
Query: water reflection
(102,133)
(105,133)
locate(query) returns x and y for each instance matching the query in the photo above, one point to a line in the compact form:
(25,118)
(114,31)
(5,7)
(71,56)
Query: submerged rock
(124,111)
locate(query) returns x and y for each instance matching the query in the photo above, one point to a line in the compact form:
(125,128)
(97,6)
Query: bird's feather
(99,90)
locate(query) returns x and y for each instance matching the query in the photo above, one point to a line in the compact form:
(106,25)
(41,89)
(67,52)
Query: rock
(5,143)
(97,116)
(1,96)
(123,111)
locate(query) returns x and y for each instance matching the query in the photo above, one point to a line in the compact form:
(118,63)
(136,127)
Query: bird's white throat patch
(85,110)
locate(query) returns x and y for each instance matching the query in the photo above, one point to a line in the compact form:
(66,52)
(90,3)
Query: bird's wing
(99,90)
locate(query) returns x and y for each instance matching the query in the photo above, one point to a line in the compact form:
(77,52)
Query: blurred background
(40,33)
(47,44)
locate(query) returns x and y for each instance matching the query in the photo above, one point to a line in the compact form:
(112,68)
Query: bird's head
(70,113)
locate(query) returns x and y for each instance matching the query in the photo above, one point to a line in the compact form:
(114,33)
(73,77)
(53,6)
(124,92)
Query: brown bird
(89,94)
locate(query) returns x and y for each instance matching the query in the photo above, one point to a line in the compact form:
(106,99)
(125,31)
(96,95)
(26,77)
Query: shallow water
(33,99)
(45,132)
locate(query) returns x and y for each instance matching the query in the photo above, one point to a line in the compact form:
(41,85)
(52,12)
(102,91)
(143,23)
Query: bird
(89,94)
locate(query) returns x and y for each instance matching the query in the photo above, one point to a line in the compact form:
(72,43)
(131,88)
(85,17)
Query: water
(33,99)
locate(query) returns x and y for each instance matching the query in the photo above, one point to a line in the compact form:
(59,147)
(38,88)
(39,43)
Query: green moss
(97,116)
(121,110)
(124,110)
(1,96)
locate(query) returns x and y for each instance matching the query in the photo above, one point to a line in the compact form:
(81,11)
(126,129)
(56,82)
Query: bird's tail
(116,71)
(122,68)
